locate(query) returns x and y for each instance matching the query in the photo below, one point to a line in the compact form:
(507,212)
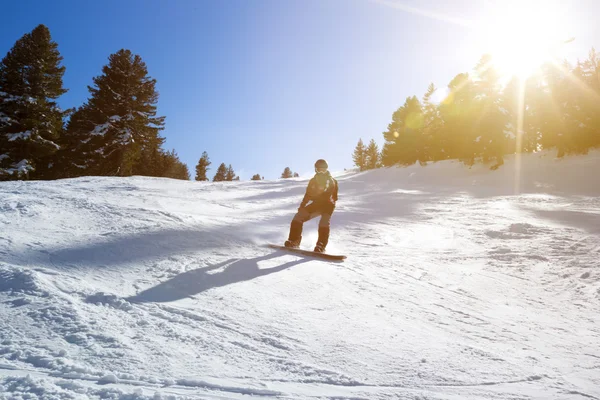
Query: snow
(8,97)
(19,135)
(101,129)
(4,118)
(22,167)
(459,284)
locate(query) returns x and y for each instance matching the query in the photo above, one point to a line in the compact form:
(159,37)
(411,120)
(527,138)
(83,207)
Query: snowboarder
(322,193)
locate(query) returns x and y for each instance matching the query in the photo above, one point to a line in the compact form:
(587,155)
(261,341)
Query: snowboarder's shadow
(199,280)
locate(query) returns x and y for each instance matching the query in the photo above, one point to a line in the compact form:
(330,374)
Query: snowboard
(309,253)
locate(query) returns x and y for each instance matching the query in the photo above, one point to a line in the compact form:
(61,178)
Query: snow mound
(17,280)
(109,300)
(30,388)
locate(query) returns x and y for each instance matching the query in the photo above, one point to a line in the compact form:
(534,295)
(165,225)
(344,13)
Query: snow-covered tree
(30,120)
(202,167)
(117,126)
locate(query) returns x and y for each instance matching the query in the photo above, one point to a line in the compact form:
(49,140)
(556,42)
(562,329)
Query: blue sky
(265,84)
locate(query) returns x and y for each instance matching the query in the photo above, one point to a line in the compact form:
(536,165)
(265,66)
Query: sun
(521,36)
(520,58)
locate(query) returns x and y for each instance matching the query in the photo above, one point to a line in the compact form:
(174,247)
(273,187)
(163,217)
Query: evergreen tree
(255,177)
(492,120)
(372,155)
(221,174)
(585,128)
(457,134)
(202,167)
(404,144)
(296,175)
(482,118)
(359,156)
(433,141)
(230,175)
(116,130)
(172,167)
(287,173)
(30,120)
(149,161)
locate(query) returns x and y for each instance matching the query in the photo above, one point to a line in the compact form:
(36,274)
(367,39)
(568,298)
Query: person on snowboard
(322,193)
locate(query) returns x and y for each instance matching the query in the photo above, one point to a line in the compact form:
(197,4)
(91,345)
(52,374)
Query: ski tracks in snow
(148,288)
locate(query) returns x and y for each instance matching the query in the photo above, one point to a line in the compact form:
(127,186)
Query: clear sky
(265,84)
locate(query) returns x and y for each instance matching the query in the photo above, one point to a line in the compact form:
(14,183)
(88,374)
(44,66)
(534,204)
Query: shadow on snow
(202,279)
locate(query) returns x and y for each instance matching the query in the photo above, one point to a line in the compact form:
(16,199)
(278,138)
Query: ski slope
(459,284)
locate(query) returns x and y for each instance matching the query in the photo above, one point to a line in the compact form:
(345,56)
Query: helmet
(321,164)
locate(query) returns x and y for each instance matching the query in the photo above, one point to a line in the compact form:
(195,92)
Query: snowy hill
(455,287)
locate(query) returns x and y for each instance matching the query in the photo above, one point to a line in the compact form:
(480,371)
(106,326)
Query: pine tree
(221,174)
(230,175)
(255,177)
(585,132)
(359,155)
(287,173)
(404,136)
(457,134)
(433,139)
(296,175)
(491,122)
(172,167)
(112,131)
(149,161)
(202,167)
(30,120)
(372,155)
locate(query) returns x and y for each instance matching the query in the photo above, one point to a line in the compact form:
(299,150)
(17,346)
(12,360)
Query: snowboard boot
(323,240)
(294,244)
(295,236)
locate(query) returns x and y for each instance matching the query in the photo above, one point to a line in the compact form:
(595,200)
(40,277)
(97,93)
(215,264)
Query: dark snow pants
(306,214)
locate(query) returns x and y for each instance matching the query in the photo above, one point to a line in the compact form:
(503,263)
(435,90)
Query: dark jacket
(322,192)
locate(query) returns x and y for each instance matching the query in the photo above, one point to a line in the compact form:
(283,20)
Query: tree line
(224,173)
(482,118)
(366,157)
(116,132)
(227,173)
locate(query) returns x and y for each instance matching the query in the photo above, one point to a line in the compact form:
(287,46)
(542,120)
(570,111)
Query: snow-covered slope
(459,284)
